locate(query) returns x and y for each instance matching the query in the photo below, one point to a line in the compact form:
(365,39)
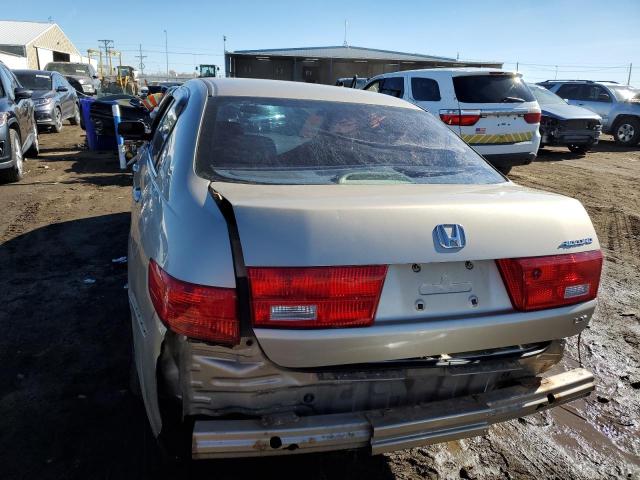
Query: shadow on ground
(100,168)
(557,154)
(64,369)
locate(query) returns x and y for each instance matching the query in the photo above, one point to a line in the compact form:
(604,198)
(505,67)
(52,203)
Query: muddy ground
(65,410)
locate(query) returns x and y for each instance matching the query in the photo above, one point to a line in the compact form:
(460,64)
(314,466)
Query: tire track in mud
(23,220)
(619,232)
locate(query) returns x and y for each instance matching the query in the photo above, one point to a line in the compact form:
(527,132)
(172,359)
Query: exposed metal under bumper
(387,430)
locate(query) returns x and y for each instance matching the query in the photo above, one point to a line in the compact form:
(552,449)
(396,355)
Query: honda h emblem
(450,236)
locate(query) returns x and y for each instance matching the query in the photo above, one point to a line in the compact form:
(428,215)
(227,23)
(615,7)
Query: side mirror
(133,131)
(62,89)
(22,93)
(603,97)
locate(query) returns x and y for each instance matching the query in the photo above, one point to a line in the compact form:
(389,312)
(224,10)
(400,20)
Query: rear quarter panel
(177,224)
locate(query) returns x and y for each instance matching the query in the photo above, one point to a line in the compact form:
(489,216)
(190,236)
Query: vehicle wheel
(75,120)
(34,149)
(504,170)
(57,120)
(578,149)
(16,172)
(627,131)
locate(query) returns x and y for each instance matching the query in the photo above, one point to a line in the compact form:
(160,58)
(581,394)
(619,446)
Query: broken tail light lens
(464,118)
(315,297)
(532,117)
(536,283)
(197,311)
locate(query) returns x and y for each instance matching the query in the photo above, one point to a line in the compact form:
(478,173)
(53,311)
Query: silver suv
(618,105)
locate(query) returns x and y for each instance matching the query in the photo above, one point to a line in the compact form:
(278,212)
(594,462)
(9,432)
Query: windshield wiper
(512,100)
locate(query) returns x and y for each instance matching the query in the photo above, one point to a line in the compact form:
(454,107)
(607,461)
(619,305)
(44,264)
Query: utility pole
(517,67)
(556,77)
(629,77)
(166,51)
(106,44)
(141,57)
(346,24)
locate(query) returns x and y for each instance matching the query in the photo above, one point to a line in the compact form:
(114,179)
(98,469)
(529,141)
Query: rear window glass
(425,89)
(491,89)
(287,141)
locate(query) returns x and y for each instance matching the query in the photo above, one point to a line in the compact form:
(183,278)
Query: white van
(492,110)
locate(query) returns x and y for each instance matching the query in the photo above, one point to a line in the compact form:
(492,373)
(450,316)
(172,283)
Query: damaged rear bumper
(389,429)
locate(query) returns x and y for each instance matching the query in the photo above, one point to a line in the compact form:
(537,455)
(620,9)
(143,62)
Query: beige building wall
(53,39)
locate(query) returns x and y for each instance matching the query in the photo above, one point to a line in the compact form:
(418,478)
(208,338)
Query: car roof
(36,72)
(603,82)
(249,87)
(66,63)
(460,70)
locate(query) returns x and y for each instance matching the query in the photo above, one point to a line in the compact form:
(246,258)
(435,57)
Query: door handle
(136,193)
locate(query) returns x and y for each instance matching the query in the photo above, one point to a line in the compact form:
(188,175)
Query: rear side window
(393,86)
(308,142)
(373,86)
(570,91)
(425,89)
(595,93)
(500,88)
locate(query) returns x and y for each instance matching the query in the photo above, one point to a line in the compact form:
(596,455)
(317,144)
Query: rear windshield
(285,141)
(500,88)
(34,81)
(70,69)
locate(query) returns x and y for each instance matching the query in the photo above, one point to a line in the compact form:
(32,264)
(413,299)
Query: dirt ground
(65,410)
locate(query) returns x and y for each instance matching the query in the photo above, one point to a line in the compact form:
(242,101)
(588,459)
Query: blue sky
(586,39)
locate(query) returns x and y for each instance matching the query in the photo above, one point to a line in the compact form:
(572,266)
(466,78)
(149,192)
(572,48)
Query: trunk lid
(395,225)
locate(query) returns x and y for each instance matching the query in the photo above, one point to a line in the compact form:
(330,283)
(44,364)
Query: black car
(54,99)
(82,76)
(18,129)
(562,124)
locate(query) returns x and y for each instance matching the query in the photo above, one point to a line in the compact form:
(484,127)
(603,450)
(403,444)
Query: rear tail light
(535,283)
(464,118)
(532,117)
(315,297)
(197,311)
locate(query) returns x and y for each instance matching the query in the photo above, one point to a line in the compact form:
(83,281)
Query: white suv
(492,110)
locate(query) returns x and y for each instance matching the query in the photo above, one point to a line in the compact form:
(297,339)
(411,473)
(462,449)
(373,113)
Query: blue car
(562,124)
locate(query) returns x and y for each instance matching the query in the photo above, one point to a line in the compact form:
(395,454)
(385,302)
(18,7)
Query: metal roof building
(326,64)
(34,44)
